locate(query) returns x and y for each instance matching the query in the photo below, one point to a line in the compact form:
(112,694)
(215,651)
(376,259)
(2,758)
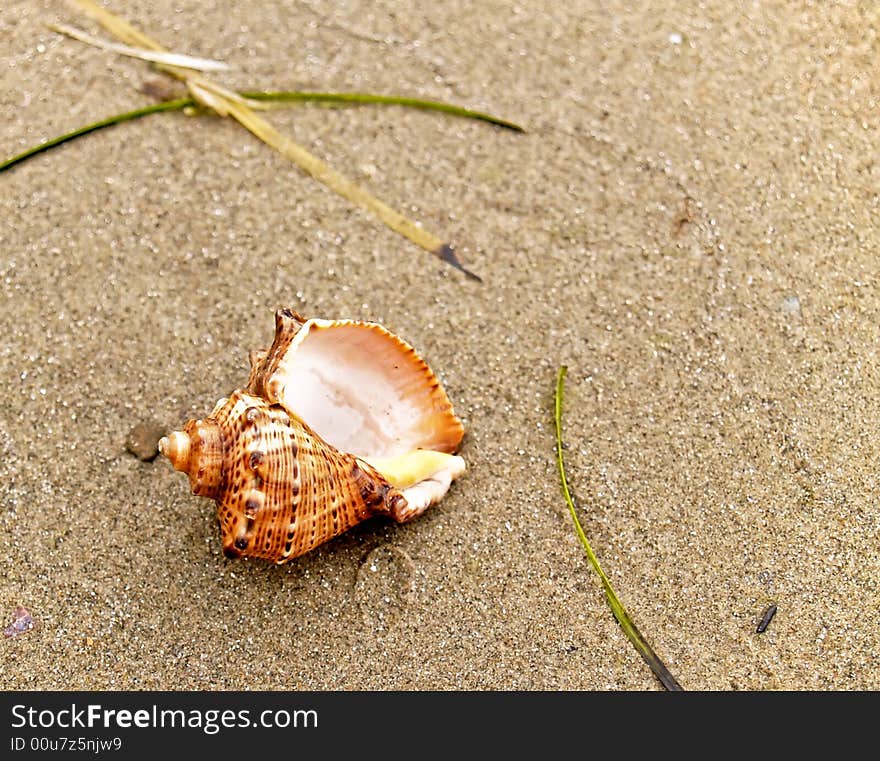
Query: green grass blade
(629,628)
(386,100)
(168,105)
(280,97)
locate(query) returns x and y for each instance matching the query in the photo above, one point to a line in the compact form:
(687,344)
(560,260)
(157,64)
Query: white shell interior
(361,389)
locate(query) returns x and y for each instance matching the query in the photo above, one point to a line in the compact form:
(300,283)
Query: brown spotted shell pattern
(340,421)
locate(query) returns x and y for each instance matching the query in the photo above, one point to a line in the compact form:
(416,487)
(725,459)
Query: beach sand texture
(689,224)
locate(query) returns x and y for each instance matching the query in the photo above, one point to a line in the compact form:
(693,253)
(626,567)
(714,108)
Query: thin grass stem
(273,96)
(168,105)
(629,628)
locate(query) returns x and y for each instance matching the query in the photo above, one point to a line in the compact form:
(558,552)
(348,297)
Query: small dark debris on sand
(143,440)
(22,622)
(160,89)
(769,612)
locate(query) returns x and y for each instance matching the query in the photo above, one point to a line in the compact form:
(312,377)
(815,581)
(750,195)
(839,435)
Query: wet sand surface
(689,224)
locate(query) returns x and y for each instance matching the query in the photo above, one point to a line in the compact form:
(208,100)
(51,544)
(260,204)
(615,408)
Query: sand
(689,224)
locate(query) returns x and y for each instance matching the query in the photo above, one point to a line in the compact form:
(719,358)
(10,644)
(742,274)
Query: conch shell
(340,421)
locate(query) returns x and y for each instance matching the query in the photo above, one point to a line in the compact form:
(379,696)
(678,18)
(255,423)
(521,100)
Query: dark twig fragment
(769,612)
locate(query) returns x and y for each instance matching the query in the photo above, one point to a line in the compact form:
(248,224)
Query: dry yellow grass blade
(153,56)
(228,103)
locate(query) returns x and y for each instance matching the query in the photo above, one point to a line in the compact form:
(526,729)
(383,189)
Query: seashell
(340,421)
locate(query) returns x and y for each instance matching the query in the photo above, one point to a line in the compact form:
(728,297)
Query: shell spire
(198,451)
(176,447)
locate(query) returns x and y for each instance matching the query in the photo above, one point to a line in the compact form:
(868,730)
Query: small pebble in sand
(22,621)
(143,440)
(791,305)
(160,89)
